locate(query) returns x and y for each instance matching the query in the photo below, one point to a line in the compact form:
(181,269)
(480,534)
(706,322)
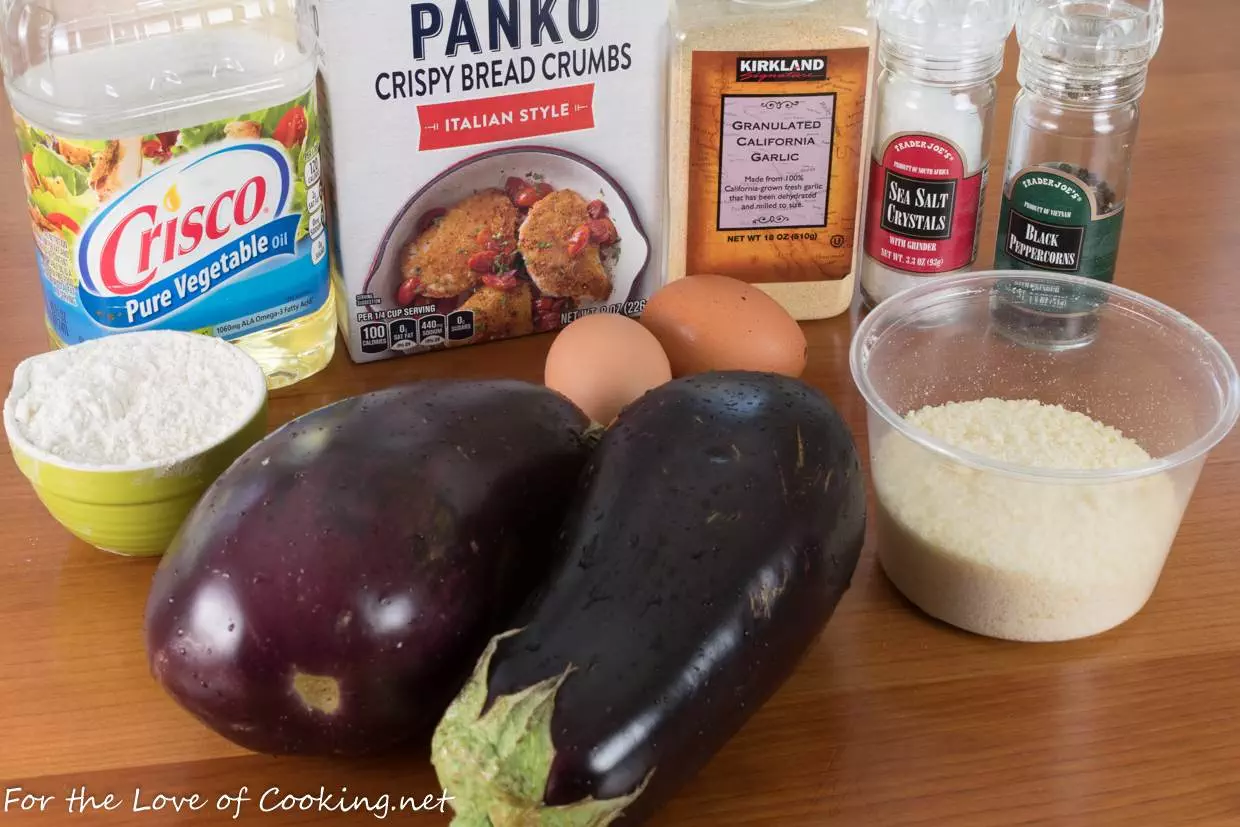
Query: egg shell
(604,362)
(714,323)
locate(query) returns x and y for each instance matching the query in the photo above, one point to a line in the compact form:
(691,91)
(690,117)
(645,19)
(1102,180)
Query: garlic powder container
(768,125)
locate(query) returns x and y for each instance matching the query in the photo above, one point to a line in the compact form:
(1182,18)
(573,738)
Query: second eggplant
(717,526)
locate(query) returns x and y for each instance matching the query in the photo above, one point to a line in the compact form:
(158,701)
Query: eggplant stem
(495,756)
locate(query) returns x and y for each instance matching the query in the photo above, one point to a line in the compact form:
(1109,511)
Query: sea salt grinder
(1082,72)
(934,108)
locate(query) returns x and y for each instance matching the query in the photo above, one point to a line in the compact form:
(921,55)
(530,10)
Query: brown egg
(714,323)
(604,362)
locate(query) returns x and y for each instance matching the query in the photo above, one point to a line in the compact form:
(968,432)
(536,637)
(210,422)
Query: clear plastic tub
(1031,552)
(172,167)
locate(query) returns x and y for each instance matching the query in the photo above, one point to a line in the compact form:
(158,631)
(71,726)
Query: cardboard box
(496,167)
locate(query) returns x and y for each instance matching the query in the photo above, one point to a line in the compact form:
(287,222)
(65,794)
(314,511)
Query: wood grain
(893,720)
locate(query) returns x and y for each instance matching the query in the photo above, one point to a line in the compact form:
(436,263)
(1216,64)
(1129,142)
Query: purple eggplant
(717,526)
(334,588)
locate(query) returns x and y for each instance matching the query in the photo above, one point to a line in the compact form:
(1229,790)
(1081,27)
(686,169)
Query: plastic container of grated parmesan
(1034,494)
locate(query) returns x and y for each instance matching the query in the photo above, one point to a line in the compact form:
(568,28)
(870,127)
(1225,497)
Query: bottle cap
(945,30)
(1115,37)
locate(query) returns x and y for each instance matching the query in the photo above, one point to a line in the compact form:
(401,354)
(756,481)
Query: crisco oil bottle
(170,152)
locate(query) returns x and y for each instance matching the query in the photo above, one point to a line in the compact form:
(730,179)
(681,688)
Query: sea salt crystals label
(924,207)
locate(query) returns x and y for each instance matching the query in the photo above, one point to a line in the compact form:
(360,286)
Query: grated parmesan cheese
(1016,558)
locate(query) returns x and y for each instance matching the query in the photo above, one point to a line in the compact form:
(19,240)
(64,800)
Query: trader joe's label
(924,206)
(1053,221)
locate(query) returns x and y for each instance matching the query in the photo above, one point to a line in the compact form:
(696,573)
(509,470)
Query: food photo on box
(589,412)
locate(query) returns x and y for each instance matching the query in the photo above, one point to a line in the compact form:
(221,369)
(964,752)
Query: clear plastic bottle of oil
(170,151)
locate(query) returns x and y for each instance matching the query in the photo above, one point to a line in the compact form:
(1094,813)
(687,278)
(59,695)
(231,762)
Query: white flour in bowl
(134,399)
(1013,558)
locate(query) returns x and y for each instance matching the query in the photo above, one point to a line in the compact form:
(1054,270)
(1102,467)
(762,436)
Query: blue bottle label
(217,229)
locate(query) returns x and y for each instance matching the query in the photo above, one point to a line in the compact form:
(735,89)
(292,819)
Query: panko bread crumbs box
(496,166)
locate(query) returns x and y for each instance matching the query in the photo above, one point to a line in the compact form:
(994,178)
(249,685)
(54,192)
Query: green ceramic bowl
(131,511)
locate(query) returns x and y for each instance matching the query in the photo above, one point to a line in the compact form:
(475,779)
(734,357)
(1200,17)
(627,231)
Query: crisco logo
(180,216)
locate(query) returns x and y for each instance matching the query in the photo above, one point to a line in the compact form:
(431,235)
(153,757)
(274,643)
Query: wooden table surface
(892,720)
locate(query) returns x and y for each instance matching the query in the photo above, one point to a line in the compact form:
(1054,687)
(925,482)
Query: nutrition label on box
(775,161)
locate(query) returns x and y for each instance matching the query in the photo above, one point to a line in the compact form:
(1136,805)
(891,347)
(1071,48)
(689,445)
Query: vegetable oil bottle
(170,152)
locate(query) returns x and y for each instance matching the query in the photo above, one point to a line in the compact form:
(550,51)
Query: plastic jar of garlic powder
(768,128)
